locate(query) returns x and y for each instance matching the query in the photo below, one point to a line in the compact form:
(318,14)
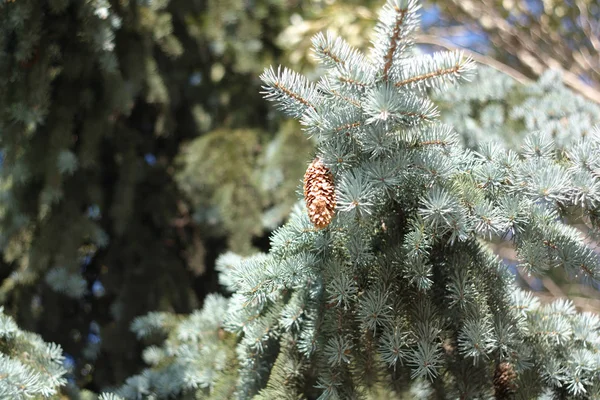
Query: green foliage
(399,297)
(82,100)
(29,367)
(494,107)
(229,187)
(401,291)
(197,357)
(248,185)
(400,286)
(236,30)
(96,100)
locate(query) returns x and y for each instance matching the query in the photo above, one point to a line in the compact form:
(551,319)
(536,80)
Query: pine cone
(319,193)
(504,381)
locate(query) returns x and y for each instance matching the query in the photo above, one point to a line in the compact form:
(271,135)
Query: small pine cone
(504,381)
(319,193)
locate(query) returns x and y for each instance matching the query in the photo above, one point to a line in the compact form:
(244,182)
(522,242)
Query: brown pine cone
(319,193)
(504,381)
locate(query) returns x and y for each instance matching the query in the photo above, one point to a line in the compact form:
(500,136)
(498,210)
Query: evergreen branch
(394,39)
(439,135)
(435,70)
(347,127)
(400,277)
(330,128)
(291,91)
(327,87)
(335,52)
(397,21)
(383,104)
(480,58)
(432,143)
(29,367)
(419,78)
(355,103)
(293,95)
(345,64)
(345,79)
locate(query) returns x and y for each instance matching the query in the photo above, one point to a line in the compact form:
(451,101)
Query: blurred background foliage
(136,145)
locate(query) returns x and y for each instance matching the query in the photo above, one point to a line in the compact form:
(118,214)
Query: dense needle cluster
(319,193)
(404,298)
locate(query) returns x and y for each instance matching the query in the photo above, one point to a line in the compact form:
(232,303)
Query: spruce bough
(400,292)
(399,295)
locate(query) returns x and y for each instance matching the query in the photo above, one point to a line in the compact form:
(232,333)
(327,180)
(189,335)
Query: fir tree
(396,295)
(82,105)
(399,295)
(493,106)
(96,100)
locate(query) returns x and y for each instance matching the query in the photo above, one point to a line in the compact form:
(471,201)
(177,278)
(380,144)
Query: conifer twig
(389,57)
(480,58)
(440,72)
